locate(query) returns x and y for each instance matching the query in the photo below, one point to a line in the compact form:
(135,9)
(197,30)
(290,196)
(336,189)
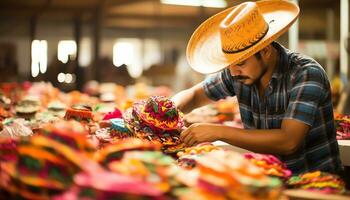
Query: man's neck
(271,65)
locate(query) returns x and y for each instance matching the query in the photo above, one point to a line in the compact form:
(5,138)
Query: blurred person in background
(337,86)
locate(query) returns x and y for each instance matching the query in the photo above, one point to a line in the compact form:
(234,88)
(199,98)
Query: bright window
(67,78)
(123,53)
(136,54)
(39,57)
(66,49)
(129,52)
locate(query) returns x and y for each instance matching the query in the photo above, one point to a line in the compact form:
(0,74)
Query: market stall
(65,150)
(120,99)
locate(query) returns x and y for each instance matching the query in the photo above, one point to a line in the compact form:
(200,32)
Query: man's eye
(240,64)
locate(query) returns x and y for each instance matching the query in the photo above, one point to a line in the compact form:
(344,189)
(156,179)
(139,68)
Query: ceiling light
(68,78)
(204,3)
(60,77)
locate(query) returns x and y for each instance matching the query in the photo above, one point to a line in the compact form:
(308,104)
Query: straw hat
(237,33)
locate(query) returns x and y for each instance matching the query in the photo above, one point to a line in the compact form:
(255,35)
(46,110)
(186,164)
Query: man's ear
(266,51)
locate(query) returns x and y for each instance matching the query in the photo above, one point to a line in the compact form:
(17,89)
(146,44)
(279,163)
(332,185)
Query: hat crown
(242,28)
(161,107)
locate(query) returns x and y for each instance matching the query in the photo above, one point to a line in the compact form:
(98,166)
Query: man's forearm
(273,141)
(184,100)
(192,98)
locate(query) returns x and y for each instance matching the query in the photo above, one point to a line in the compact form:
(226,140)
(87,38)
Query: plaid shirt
(299,89)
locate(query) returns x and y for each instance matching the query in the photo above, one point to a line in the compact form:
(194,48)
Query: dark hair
(258,55)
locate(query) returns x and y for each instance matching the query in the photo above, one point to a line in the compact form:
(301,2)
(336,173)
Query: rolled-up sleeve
(307,91)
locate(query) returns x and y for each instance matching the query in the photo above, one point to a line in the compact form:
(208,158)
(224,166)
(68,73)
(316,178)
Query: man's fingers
(184,134)
(187,139)
(191,141)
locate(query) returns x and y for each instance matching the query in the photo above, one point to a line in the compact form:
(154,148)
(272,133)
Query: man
(284,97)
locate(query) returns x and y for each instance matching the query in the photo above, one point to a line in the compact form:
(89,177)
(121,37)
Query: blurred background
(71,42)
(103,55)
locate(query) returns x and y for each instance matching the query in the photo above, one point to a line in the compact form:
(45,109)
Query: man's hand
(198,133)
(284,141)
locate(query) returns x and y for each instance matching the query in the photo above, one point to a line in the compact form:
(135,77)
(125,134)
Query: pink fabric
(112,115)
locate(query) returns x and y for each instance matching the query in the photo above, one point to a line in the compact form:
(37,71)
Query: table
(344,148)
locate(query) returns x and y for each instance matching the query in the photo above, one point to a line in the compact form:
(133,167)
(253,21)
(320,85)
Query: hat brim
(204,52)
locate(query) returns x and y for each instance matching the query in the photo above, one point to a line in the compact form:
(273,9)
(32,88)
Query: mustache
(239,77)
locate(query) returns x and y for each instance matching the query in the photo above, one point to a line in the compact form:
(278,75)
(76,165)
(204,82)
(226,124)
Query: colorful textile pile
(115,151)
(269,164)
(119,129)
(80,113)
(187,157)
(112,115)
(5,102)
(57,164)
(8,149)
(153,167)
(70,133)
(102,156)
(103,185)
(115,131)
(4,113)
(43,165)
(158,120)
(133,169)
(198,149)
(228,175)
(13,127)
(27,107)
(56,108)
(342,123)
(318,181)
(5,105)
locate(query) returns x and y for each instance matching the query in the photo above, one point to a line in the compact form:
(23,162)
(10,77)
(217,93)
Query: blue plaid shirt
(299,89)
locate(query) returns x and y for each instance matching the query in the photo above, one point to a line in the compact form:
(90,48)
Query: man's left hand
(198,133)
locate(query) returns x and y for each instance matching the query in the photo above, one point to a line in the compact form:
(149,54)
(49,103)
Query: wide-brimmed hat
(237,33)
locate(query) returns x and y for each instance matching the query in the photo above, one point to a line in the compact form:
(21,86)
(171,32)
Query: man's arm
(192,98)
(282,141)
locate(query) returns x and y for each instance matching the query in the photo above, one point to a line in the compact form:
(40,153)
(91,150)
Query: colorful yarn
(342,124)
(156,119)
(160,112)
(79,113)
(270,164)
(119,125)
(318,181)
(111,115)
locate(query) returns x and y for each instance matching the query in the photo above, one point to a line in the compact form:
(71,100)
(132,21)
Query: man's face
(249,71)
